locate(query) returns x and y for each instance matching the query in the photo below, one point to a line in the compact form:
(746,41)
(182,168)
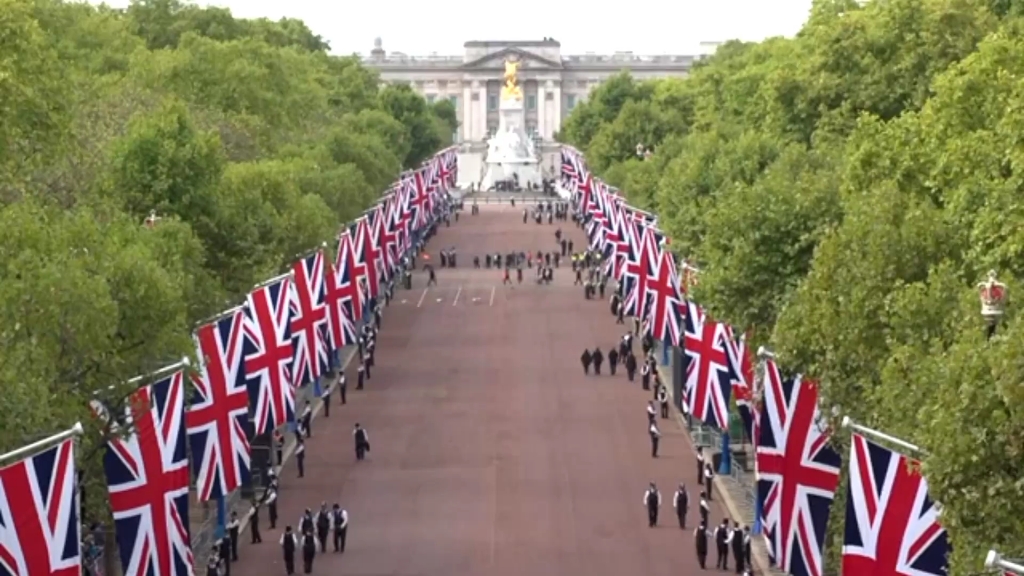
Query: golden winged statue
(511,89)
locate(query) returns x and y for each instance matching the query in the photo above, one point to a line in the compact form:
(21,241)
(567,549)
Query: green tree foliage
(247,139)
(844,191)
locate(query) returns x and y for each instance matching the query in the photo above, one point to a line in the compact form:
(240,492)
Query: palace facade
(553,83)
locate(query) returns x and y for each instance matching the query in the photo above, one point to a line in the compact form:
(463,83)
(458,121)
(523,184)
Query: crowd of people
(733,540)
(327,524)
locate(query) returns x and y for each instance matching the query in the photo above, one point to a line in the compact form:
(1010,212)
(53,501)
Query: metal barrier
(473,199)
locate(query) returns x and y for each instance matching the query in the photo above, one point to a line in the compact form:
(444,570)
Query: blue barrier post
(757,528)
(317,390)
(665,347)
(725,463)
(222,521)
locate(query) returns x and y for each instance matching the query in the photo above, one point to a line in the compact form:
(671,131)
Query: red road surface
(493,455)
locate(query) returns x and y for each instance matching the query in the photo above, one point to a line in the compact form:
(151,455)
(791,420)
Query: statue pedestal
(510,153)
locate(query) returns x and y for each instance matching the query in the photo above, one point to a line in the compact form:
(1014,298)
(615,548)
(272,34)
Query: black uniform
(308,552)
(737,547)
(233,527)
(722,539)
(700,465)
(323,527)
(340,528)
(362,439)
(254,522)
(652,500)
(681,501)
(586,358)
(630,366)
(300,458)
(289,542)
(343,388)
(700,538)
(598,360)
(663,400)
(708,477)
(645,376)
(655,437)
(705,509)
(271,500)
(613,361)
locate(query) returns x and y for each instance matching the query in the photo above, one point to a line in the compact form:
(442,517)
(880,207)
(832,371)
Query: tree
(843,192)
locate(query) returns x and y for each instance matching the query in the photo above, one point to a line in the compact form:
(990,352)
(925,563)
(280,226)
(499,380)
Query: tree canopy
(844,192)
(247,139)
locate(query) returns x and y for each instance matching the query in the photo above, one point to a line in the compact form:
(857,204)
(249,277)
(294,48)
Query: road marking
(493,288)
(457,292)
(422,296)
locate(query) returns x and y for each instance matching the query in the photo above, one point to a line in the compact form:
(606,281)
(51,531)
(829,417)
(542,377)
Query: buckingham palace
(553,83)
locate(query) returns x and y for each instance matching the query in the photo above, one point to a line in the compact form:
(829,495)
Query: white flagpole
(995,560)
(848,423)
(40,445)
(169,368)
(272,280)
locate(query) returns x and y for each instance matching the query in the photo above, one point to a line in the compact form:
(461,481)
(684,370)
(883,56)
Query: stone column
(482,109)
(556,121)
(541,102)
(467,112)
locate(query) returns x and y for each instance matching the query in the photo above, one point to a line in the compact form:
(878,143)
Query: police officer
(700,538)
(613,360)
(630,366)
(362,440)
(681,502)
(705,509)
(343,388)
(300,457)
(340,528)
(709,476)
(700,465)
(306,523)
(645,376)
(655,437)
(586,358)
(737,546)
(254,521)
(651,414)
(663,400)
(213,562)
(308,552)
(722,538)
(288,545)
(652,500)
(598,358)
(323,525)
(233,526)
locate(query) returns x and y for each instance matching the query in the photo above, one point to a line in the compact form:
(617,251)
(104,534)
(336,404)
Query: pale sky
(419,28)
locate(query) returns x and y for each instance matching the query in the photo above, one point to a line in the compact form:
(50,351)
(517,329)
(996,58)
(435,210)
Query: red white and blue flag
(741,360)
(269,352)
(309,320)
(797,473)
(667,308)
(892,525)
(368,253)
(39,523)
(218,418)
(708,369)
(147,478)
(344,298)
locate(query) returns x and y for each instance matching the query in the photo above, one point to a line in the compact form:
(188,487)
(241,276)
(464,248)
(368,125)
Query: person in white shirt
(700,464)
(289,542)
(705,509)
(651,413)
(652,500)
(362,439)
(723,536)
(655,436)
(340,528)
(681,502)
(709,475)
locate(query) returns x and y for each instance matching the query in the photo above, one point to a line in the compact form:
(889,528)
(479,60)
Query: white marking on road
(457,292)
(422,296)
(493,288)
(404,300)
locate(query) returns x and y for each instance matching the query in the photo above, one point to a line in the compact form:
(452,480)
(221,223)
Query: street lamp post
(995,561)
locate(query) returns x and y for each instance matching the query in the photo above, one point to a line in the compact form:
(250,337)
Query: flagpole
(310,252)
(184,362)
(40,445)
(277,278)
(995,560)
(848,423)
(763,356)
(220,315)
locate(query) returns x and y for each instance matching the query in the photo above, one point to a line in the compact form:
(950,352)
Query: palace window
(570,101)
(531,102)
(549,95)
(431,98)
(492,102)
(455,101)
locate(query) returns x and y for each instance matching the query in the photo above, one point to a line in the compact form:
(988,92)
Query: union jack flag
(39,515)
(667,307)
(708,373)
(892,526)
(309,322)
(147,477)
(367,251)
(797,473)
(742,367)
(269,352)
(218,418)
(344,298)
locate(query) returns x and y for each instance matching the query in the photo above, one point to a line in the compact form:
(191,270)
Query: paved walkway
(492,453)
